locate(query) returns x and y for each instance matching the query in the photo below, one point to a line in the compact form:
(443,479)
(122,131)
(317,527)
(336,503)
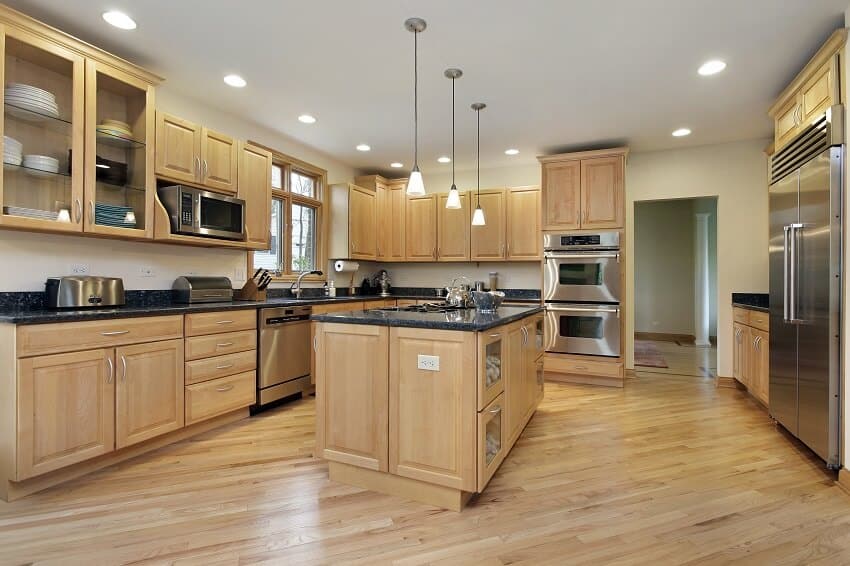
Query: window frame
(290,164)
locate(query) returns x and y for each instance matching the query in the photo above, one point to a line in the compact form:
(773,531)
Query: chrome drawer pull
(223,388)
(224,322)
(581,368)
(115,333)
(226,366)
(495,410)
(495,335)
(224,345)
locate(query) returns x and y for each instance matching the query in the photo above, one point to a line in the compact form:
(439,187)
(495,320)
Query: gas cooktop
(426,308)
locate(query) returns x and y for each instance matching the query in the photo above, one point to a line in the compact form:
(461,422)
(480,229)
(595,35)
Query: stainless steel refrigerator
(805,284)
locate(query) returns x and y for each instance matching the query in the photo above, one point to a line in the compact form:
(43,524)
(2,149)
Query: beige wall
(28,259)
(736,173)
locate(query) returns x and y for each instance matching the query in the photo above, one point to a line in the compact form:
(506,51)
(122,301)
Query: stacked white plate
(30,213)
(32,98)
(41,163)
(12,149)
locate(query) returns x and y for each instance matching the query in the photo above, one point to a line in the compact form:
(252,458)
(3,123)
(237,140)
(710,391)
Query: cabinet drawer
(741,316)
(581,367)
(491,440)
(220,366)
(198,347)
(212,398)
(760,320)
(203,323)
(71,336)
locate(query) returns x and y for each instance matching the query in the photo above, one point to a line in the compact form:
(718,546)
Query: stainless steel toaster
(196,289)
(84,291)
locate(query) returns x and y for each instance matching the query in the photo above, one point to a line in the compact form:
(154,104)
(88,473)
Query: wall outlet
(146,271)
(79,268)
(239,274)
(428,363)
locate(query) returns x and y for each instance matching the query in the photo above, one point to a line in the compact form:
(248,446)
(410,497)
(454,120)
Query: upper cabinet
(353,230)
(255,188)
(390,202)
(524,240)
(189,153)
(584,190)
(420,238)
(78,135)
(453,230)
(488,241)
(816,88)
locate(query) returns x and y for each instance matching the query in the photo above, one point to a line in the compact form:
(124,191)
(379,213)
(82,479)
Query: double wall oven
(582,286)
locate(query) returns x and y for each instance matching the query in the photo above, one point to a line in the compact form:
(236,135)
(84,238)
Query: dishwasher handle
(279,320)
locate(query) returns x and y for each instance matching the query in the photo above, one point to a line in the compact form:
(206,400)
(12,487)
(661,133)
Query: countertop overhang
(469,320)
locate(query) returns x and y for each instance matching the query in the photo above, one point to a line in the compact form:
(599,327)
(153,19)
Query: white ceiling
(555,74)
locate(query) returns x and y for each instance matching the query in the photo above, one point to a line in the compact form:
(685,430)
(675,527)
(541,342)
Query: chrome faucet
(296,287)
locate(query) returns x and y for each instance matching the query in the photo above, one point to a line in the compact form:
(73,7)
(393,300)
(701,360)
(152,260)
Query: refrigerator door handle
(785,310)
(794,273)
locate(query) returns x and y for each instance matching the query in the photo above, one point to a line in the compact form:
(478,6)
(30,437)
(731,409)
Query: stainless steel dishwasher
(284,364)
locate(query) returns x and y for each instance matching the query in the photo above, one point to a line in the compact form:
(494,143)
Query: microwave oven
(197,212)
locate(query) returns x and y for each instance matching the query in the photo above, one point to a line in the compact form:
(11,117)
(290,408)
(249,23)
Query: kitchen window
(296,220)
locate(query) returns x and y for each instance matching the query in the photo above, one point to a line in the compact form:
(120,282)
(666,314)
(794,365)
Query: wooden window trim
(290,164)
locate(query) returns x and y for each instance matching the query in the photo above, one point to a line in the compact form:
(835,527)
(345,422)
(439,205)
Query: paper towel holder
(344,266)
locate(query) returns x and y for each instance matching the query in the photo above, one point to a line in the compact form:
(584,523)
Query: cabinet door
(488,241)
(523,224)
(491,444)
(148,391)
(351,394)
(785,122)
(255,188)
(219,158)
(433,416)
(362,219)
(515,381)
(421,228)
(66,405)
(529,362)
(178,148)
(491,366)
(384,219)
(452,230)
(602,192)
(760,375)
(738,351)
(817,94)
(398,216)
(561,195)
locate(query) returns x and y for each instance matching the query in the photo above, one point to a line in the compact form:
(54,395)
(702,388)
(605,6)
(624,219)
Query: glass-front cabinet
(491,350)
(77,136)
(491,440)
(119,183)
(43,108)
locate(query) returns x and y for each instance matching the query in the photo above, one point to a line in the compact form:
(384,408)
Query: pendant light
(415,185)
(453,200)
(478,215)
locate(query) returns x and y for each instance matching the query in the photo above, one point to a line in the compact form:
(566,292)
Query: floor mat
(647,354)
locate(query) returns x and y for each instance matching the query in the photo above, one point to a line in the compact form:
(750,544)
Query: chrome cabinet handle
(225,366)
(111,370)
(315,343)
(123,368)
(224,322)
(79,216)
(495,335)
(206,169)
(115,333)
(224,345)
(197,165)
(495,410)
(91,211)
(223,388)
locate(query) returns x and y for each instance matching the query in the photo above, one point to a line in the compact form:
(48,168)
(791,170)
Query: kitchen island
(424,405)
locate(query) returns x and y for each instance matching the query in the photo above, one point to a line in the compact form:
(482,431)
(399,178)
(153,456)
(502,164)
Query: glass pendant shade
(478,217)
(415,185)
(453,201)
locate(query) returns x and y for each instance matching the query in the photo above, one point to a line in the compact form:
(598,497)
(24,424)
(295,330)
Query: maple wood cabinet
(255,188)
(420,232)
(488,241)
(453,229)
(584,190)
(522,225)
(354,231)
(751,353)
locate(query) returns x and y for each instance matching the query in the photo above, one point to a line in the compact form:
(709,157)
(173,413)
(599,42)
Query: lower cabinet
(750,352)
(491,440)
(219,396)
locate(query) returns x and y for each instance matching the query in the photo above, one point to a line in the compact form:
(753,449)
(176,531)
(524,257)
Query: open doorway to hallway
(676,286)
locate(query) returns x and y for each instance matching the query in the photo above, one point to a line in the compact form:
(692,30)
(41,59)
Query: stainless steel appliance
(202,213)
(582,267)
(583,328)
(84,291)
(284,364)
(195,289)
(805,284)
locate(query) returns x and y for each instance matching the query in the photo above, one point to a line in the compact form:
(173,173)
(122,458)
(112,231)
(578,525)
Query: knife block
(250,292)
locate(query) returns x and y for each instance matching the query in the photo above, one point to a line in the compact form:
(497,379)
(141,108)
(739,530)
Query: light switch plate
(79,268)
(428,363)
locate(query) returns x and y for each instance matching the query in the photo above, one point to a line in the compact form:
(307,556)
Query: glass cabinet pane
(493,437)
(121,154)
(493,368)
(38,133)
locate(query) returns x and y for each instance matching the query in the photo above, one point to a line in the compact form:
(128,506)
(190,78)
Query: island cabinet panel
(433,414)
(66,410)
(351,394)
(148,391)
(515,380)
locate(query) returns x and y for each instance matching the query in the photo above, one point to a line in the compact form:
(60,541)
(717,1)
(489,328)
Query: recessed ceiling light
(711,67)
(235,81)
(363,147)
(681,132)
(511,151)
(306,119)
(444,159)
(119,19)
(396,165)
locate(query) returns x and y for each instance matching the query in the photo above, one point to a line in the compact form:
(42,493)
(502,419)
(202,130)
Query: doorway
(676,286)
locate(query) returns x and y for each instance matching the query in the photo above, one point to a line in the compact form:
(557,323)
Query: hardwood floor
(684,358)
(669,470)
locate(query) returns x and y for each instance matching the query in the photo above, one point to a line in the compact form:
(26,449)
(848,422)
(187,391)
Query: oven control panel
(609,240)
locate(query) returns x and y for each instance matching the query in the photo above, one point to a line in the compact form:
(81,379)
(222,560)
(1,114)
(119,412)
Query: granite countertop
(751,301)
(160,303)
(466,319)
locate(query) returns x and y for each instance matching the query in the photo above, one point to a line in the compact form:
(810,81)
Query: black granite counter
(751,301)
(466,319)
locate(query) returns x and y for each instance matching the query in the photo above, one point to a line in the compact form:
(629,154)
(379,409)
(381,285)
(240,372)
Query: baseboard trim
(630,373)
(584,379)
(664,337)
(11,490)
(721,381)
